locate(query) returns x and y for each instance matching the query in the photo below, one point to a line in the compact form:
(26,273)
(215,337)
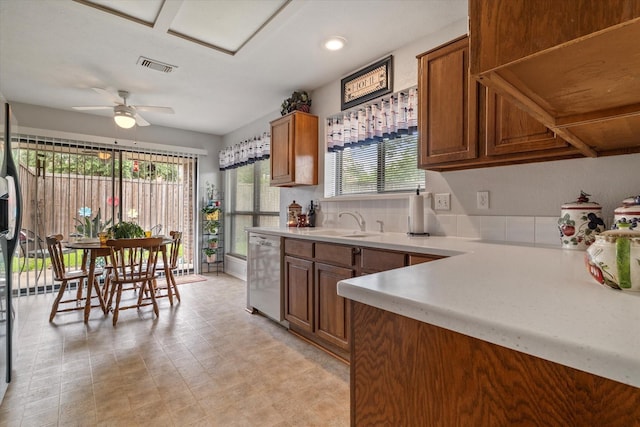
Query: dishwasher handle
(268,241)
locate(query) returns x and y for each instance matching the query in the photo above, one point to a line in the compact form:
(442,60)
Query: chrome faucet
(359,219)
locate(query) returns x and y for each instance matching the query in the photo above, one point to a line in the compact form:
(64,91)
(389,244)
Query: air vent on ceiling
(155,65)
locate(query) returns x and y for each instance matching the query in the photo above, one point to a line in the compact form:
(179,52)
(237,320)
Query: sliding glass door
(77,189)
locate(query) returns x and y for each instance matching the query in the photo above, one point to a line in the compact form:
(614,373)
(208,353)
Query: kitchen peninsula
(496,334)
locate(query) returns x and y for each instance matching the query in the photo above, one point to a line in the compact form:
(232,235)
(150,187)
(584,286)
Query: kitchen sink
(340,233)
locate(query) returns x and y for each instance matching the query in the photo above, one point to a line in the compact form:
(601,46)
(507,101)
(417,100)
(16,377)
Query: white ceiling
(52,52)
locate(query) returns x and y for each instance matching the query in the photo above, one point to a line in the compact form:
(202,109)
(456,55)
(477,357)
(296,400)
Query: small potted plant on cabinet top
(210,254)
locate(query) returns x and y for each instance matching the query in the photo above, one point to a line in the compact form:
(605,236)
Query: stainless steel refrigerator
(10,219)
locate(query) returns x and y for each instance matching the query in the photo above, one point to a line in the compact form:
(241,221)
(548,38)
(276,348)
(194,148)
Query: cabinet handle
(356,251)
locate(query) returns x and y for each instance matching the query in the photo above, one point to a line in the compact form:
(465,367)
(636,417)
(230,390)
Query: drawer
(299,248)
(374,260)
(335,254)
(420,258)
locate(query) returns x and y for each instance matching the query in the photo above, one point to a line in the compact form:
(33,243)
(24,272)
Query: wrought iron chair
(32,246)
(133,264)
(61,274)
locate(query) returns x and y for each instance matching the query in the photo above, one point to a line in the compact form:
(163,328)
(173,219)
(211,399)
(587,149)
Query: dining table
(93,249)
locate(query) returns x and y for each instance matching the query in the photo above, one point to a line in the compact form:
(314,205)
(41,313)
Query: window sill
(359,197)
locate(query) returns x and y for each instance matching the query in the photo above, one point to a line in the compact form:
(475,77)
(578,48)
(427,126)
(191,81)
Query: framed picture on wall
(369,83)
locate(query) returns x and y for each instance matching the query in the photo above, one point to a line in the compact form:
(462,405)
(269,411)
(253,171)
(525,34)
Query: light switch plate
(483,200)
(443,201)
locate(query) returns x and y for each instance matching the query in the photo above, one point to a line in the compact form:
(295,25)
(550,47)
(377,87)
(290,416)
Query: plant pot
(211,258)
(213,245)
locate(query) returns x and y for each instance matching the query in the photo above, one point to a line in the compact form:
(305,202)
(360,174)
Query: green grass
(30,264)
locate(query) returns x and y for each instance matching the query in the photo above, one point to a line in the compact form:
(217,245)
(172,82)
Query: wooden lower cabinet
(332,313)
(311,273)
(377,260)
(408,373)
(298,292)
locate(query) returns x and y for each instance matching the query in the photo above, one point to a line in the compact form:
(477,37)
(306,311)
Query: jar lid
(623,230)
(582,203)
(631,201)
(294,206)
(630,206)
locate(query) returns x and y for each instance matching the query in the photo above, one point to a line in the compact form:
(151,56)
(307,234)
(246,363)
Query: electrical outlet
(483,200)
(443,201)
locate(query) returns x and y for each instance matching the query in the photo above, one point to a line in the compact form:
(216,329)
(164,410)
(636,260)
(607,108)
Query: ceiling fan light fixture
(124,116)
(335,43)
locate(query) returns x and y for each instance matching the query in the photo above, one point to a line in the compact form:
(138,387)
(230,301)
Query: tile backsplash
(540,230)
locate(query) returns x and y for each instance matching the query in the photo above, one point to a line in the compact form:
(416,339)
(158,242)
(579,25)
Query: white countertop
(540,301)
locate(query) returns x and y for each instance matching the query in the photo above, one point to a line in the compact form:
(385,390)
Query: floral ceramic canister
(628,213)
(580,222)
(614,258)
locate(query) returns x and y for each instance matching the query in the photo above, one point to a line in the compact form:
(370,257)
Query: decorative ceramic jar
(628,213)
(580,222)
(294,211)
(614,258)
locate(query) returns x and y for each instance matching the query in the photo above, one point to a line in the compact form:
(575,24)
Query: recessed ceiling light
(335,43)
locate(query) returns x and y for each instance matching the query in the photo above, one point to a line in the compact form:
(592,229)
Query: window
(374,148)
(252,202)
(388,166)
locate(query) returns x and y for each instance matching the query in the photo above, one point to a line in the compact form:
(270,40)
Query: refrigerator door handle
(15,218)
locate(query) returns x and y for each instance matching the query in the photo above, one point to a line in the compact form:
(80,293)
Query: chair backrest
(30,242)
(174,249)
(134,259)
(54,246)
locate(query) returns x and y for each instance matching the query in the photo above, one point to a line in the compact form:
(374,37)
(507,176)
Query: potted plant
(126,230)
(213,242)
(210,254)
(211,226)
(89,227)
(299,100)
(210,212)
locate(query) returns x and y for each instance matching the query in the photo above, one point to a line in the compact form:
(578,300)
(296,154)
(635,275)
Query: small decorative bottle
(311,216)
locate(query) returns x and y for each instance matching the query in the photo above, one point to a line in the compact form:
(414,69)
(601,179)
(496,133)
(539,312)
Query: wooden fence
(53,203)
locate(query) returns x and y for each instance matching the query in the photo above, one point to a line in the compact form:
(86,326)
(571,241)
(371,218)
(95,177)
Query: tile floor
(204,362)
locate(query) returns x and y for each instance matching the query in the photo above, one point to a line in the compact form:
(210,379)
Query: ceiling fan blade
(154,109)
(110,96)
(94,107)
(140,121)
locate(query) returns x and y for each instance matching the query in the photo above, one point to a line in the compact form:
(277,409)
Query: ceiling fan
(125,115)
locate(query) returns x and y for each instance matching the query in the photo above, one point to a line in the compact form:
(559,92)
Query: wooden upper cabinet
(509,130)
(294,150)
(447,115)
(466,125)
(573,65)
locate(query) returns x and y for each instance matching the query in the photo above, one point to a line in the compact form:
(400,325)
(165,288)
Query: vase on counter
(580,222)
(614,259)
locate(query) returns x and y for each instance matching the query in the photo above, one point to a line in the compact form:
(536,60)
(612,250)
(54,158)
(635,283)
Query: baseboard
(235,267)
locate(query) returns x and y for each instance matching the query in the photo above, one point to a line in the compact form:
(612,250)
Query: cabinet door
(332,312)
(298,292)
(448,107)
(510,130)
(282,164)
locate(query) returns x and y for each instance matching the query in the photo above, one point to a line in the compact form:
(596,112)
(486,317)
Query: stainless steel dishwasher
(264,286)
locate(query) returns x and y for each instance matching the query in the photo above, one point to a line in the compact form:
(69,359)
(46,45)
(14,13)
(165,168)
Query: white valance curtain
(386,118)
(246,152)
